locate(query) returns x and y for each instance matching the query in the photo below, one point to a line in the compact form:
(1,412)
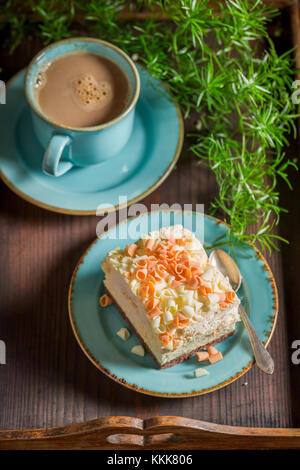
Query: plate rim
(146,193)
(150,392)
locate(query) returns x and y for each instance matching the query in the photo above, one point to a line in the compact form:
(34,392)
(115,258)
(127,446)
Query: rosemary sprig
(212,64)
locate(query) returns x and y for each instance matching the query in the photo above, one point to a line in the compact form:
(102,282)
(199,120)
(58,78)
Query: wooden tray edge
(163,432)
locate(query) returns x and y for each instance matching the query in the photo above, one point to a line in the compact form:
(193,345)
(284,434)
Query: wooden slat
(134,14)
(131,14)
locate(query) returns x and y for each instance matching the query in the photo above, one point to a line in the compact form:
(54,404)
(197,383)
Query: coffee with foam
(82,90)
(90,94)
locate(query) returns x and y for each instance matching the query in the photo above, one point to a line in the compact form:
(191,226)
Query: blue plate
(95,327)
(143,164)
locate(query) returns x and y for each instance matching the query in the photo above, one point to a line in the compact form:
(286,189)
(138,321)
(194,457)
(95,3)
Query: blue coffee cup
(66,147)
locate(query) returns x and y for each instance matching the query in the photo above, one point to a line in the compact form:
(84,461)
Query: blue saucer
(139,169)
(95,327)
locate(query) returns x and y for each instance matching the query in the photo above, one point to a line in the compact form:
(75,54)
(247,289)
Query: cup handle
(52,163)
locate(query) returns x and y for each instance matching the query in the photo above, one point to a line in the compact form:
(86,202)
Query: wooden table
(48,381)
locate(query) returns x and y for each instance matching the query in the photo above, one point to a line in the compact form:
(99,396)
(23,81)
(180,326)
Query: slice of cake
(173,299)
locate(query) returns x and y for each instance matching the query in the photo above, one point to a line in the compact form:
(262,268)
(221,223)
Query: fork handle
(263,359)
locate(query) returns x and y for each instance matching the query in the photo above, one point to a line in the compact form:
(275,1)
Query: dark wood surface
(48,381)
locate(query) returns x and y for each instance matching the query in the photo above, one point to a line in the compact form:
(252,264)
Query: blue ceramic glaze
(96,327)
(145,161)
(88,145)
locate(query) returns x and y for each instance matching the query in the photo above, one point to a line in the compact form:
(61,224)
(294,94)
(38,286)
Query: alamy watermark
(296,354)
(2,92)
(136,220)
(296,94)
(2,352)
